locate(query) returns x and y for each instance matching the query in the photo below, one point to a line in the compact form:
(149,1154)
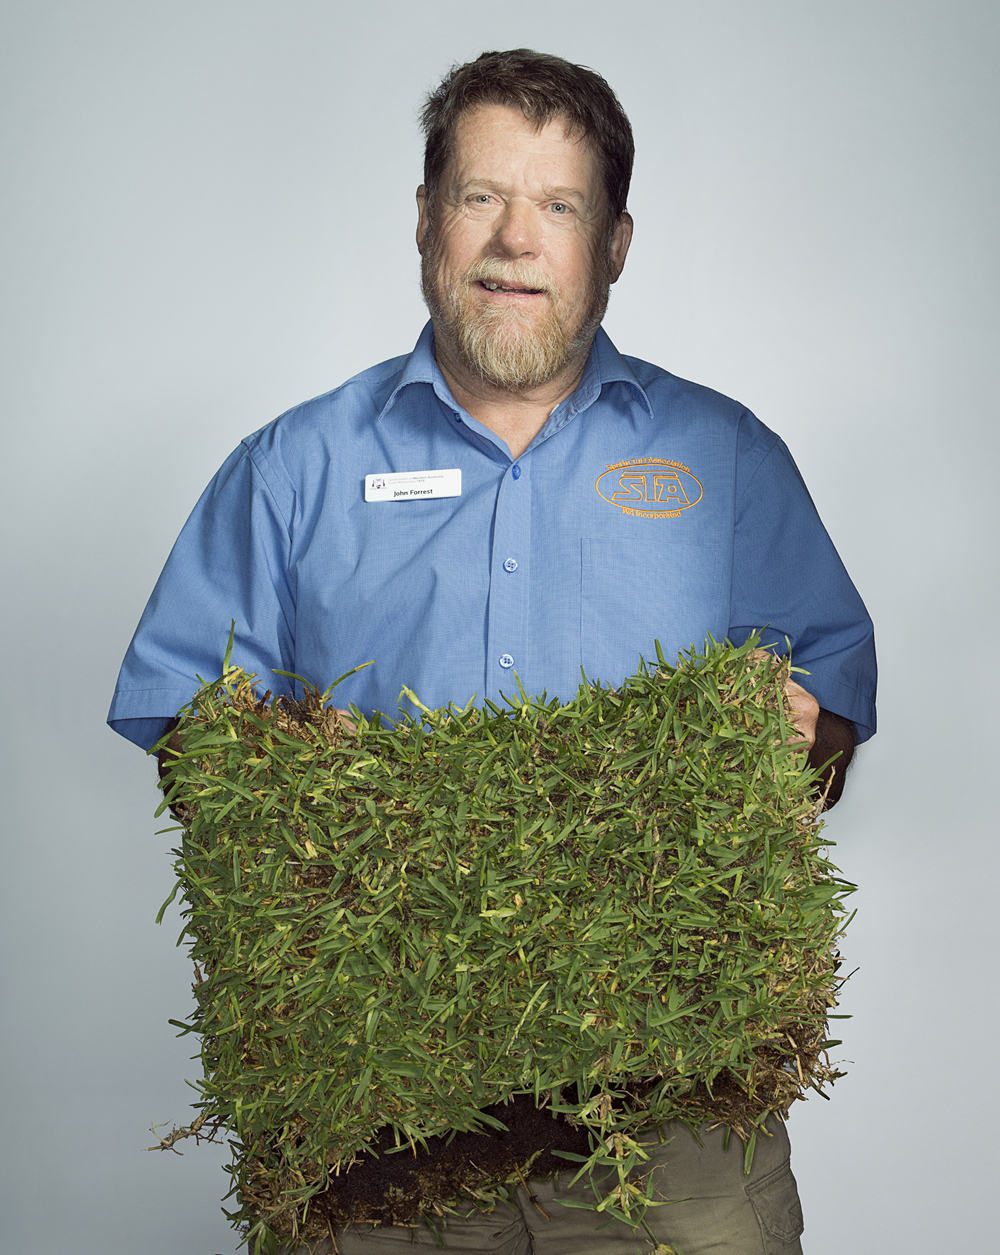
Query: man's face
(517,260)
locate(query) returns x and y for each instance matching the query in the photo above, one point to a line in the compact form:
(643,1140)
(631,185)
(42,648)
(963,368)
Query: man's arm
(228,567)
(790,585)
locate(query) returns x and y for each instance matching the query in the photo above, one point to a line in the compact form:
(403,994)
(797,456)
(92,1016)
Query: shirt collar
(604,365)
(421,367)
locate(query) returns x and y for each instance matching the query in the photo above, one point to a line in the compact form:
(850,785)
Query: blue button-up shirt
(647,508)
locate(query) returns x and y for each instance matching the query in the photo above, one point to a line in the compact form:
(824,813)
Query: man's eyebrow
(567,193)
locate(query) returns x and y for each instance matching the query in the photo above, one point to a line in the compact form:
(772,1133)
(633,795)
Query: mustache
(523,274)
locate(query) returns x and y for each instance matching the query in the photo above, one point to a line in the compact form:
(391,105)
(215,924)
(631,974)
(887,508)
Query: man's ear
(621,238)
(423,216)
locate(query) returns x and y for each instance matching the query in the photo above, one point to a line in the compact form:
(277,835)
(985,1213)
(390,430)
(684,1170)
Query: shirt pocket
(635,592)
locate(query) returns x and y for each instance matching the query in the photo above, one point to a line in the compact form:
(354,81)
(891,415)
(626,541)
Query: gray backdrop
(210,217)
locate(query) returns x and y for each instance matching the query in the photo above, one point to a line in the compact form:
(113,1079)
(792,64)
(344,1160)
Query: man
(516,498)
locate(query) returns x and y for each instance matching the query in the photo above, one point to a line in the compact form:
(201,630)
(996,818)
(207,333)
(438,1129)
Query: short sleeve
(230,564)
(789,581)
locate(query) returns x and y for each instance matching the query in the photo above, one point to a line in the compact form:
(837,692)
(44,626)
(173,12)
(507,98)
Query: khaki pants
(717,1210)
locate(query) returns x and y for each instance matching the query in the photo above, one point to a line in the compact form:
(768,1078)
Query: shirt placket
(507,617)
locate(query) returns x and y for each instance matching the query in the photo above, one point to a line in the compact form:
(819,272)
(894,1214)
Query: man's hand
(805,707)
(805,712)
(166,756)
(174,746)
(823,734)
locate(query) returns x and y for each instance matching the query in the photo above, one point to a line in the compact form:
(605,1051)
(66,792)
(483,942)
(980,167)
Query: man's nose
(517,230)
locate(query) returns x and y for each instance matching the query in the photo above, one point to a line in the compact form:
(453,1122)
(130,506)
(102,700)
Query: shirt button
(510,564)
(516,471)
(506,661)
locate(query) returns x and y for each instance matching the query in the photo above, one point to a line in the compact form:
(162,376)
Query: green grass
(621,905)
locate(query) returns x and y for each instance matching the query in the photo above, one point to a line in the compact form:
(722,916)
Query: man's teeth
(499,287)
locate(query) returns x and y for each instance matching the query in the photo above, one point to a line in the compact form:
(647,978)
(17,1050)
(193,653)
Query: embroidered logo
(650,488)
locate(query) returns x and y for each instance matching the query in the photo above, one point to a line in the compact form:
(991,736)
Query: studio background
(210,218)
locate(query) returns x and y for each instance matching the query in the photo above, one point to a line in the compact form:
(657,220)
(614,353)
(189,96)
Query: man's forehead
(492,119)
(489,131)
(490,114)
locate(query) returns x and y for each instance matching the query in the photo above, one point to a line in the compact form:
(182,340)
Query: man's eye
(482,199)
(560,207)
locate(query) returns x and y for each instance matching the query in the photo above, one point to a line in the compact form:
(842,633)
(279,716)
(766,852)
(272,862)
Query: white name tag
(413,485)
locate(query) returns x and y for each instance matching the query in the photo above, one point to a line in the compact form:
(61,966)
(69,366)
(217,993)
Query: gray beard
(506,351)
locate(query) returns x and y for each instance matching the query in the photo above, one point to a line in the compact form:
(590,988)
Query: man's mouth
(515,288)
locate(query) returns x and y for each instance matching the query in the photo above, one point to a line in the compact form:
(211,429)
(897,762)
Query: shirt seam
(732,541)
(255,452)
(766,446)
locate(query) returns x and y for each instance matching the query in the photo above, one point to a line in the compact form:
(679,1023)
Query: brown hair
(543,88)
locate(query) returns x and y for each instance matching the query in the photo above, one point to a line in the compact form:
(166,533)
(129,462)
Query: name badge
(413,485)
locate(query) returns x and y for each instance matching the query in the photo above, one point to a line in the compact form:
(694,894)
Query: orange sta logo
(650,488)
